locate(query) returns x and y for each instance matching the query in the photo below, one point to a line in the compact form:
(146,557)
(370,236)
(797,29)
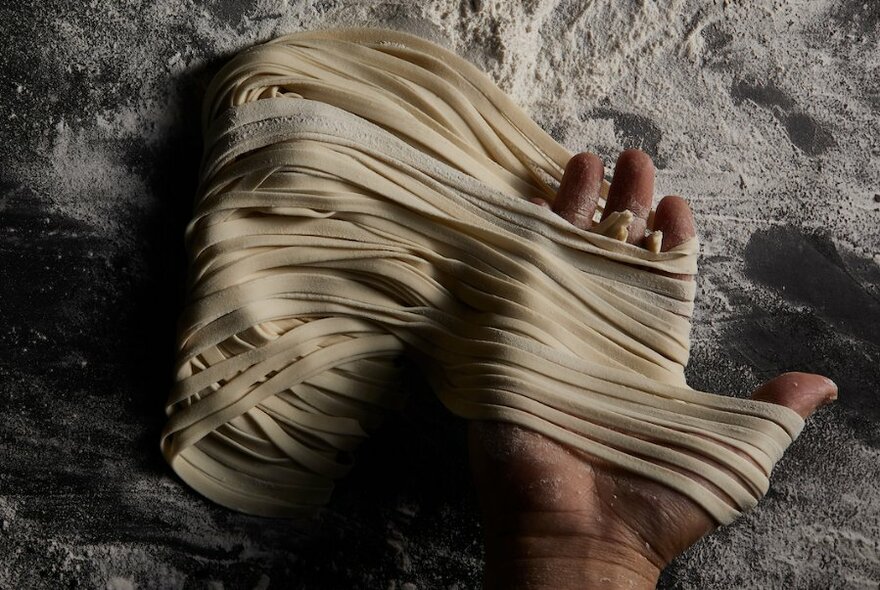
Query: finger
(673,217)
(673,224)
(578,193)
(632,188)
(802,392)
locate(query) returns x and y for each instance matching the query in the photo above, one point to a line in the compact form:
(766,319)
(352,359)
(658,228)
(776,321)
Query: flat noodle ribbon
(364,195)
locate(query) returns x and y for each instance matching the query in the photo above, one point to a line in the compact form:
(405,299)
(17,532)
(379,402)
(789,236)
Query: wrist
(565,562)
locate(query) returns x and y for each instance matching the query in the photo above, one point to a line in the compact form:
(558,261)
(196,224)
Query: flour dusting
(765,116)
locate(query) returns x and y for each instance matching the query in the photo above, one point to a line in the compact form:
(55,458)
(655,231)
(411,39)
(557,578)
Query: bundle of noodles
(365,194)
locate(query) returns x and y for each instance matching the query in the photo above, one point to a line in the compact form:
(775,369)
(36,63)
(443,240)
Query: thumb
(802,392)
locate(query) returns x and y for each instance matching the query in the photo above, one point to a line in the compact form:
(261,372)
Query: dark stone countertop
(770,129)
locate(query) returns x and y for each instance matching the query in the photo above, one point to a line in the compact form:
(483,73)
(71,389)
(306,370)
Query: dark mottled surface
(632,131)
(765,117)
(803,130)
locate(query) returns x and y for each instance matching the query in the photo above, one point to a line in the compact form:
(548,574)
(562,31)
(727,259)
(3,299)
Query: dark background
(99,152)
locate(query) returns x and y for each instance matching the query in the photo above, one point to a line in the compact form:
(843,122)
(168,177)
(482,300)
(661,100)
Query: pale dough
(365,194)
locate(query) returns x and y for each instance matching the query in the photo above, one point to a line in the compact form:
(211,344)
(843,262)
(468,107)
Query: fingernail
(832,391)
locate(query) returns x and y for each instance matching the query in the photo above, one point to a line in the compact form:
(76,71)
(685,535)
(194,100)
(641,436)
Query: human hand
(558,518)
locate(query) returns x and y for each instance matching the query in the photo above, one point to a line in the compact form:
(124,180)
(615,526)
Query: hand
(557,518)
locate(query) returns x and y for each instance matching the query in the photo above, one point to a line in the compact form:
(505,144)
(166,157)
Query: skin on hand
(554,517)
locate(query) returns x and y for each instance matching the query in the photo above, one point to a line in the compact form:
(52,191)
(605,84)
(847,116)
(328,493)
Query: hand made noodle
(364,195)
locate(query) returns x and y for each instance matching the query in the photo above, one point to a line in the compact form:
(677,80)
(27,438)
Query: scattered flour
(760,113)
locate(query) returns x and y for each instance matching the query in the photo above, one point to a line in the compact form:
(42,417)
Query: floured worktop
(764,118)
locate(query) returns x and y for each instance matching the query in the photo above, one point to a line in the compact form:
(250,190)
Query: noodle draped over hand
(365,195)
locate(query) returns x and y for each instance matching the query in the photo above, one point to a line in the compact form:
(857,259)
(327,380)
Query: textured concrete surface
(764,115)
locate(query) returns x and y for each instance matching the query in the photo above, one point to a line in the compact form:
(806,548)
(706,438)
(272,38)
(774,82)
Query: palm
(530,483)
